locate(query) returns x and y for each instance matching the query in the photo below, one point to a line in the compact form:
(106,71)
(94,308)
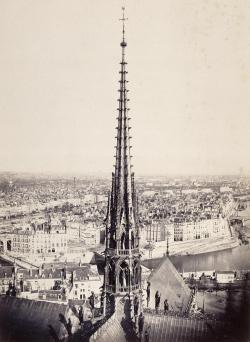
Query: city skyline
(188,81)
(163,258)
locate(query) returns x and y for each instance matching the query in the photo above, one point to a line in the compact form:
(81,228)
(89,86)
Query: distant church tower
(122,277)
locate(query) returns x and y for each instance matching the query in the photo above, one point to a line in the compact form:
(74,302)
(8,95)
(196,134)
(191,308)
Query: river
(237,258)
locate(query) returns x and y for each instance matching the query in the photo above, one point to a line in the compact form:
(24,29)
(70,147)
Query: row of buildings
(52,283)
(192,220)
(161,230)
(54,237)
(41,236)
(46,236)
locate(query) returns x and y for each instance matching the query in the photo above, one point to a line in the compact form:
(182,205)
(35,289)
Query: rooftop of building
(168,282)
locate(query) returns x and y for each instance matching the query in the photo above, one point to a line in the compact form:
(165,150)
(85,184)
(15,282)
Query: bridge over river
(19,261)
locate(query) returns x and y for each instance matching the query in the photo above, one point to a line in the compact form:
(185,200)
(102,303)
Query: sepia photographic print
(125,171)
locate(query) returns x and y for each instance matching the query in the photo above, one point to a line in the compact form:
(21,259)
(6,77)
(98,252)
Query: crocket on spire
(123,216)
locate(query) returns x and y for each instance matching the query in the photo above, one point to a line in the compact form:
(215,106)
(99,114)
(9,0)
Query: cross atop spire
(123,43)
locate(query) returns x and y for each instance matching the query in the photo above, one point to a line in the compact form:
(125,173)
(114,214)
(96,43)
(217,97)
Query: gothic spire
(122,253)
(122,201)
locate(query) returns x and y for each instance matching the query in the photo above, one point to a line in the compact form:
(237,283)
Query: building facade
(187,230)
(41,237)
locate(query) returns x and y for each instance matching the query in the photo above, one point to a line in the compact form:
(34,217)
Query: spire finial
(123,43)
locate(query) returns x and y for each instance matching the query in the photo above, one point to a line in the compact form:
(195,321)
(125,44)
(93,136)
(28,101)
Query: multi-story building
(49,237)
(40,237)
(5,241)
(155,230)
(91,237)
(85,280)
(88,232)
(52,283)
(35,280)
(186,230)
(201,229)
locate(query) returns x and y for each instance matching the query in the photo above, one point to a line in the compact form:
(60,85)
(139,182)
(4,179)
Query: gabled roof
(166,279)
(45,273)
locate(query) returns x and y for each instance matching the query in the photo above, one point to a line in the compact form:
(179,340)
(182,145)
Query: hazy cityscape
(148,238)
(52,238)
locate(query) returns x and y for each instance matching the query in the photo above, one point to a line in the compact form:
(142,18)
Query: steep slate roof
(80,272)
(162,329)
(119,327)
(34,274)
(180,329)
(166,279)
(29,320)
(6,271)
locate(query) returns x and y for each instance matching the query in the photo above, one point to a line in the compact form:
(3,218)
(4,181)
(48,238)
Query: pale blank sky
(189,73)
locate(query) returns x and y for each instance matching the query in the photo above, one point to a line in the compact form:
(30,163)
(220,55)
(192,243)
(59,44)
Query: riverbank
(192,248)
(225,260)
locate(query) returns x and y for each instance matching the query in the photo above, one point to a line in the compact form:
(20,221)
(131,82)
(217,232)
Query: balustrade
(128,288)
(111,288)
(113,251)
